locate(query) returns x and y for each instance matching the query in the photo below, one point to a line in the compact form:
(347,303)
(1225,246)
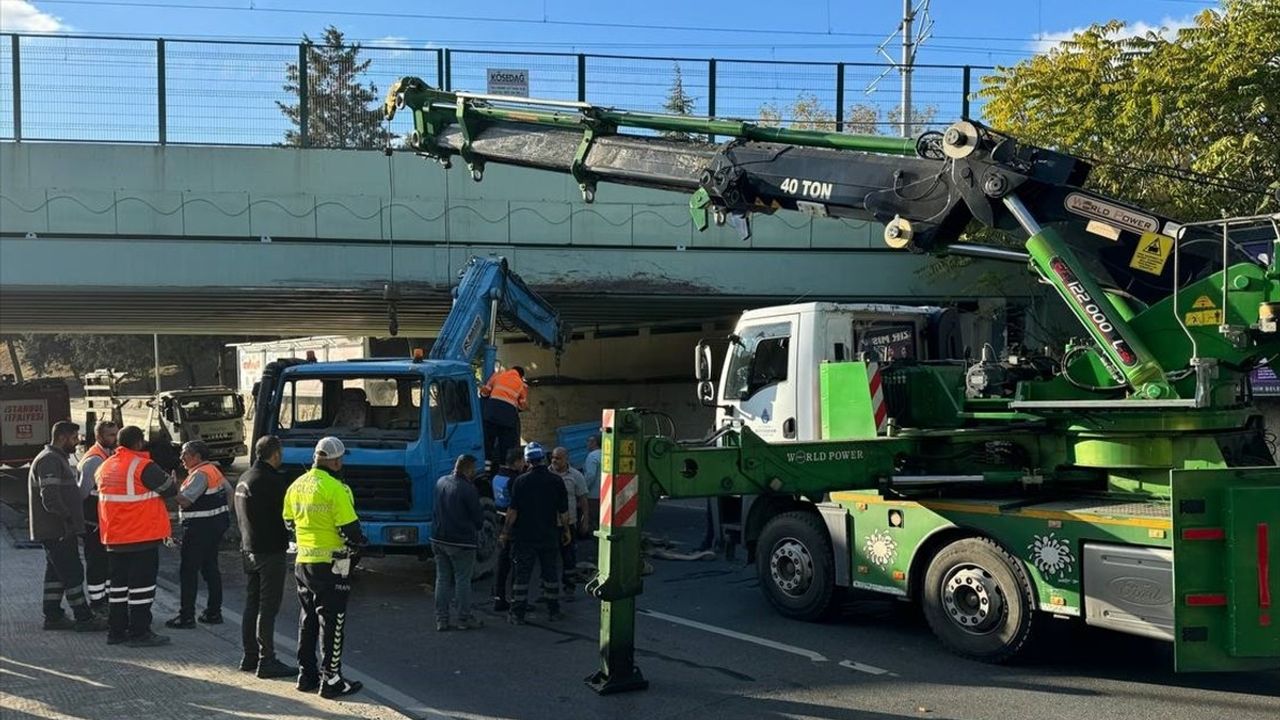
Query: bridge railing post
(16,62)
(162,113)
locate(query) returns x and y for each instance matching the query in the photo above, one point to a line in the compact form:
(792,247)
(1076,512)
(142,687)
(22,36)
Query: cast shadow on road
(1063,649)
(97,685)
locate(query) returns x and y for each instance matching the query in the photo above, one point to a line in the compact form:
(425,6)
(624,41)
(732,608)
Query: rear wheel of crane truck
(979,600)
(796,565)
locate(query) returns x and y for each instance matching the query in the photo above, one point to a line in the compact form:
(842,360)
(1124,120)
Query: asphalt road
(711,647)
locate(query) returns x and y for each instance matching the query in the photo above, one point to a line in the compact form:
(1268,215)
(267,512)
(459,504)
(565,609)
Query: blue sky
(994,32)
(228,93)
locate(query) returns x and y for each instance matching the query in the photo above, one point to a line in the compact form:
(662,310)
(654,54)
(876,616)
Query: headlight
(402,535)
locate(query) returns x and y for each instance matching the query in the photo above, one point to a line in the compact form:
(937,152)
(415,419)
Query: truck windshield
(208,407)
(758,360)
(375,407)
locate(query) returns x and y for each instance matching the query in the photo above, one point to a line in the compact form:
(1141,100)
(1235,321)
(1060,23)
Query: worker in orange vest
(95,555)
(506,395)
(202,510)
(133,523)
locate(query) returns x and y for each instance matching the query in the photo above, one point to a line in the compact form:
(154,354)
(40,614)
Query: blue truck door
(454,423)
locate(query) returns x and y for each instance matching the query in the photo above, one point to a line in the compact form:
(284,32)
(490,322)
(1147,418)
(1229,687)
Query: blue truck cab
(403,422)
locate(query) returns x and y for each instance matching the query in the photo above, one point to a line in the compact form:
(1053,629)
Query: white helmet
(330,448)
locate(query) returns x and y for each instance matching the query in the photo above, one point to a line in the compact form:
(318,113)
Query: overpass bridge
(146,238)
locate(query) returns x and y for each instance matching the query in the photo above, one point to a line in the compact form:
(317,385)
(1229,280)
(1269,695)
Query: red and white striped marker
(621,492)
(879,409)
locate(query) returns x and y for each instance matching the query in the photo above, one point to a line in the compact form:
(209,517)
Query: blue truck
(405,420)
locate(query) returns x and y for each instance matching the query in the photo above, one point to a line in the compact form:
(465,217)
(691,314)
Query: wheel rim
(791,567)
(972,599)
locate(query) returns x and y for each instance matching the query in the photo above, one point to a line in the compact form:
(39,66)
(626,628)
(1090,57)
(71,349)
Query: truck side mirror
(707,393)
(702,362)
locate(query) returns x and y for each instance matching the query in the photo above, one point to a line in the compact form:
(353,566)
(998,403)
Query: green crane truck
(1124,479)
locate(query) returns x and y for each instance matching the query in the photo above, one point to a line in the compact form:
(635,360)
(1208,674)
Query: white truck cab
(769,381)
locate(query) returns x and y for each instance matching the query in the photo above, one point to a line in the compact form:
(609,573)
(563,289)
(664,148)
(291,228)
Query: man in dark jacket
(56,522)
(455,535)
(259,502)
(538,523)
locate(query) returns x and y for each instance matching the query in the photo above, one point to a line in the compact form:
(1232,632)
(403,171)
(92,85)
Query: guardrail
(226,92)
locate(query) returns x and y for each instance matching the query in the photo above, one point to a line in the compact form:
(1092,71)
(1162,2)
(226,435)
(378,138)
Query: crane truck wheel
(979,601)
(796,566)
(487,550)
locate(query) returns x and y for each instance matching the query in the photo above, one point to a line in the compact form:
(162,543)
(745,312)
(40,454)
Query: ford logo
(1140,591)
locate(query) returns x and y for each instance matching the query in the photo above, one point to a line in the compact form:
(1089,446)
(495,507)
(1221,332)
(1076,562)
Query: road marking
(862,667)
(55,673)
(812,655)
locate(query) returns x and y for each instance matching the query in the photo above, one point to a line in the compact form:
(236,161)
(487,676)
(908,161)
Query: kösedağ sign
(508,81)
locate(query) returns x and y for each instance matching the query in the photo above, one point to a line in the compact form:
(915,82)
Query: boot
(273,668)
(93,623)
(149,640)
(59,622)
(336,687)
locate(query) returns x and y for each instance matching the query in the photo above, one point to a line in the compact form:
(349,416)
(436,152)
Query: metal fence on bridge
(223,92)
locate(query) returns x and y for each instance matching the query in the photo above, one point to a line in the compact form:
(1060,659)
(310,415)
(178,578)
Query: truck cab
(770,376)
(403,422)
(212,414)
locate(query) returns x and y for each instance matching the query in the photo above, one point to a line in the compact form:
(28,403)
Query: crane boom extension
(489,289)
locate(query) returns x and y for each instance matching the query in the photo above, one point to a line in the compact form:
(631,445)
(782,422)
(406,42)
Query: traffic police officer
(320,510)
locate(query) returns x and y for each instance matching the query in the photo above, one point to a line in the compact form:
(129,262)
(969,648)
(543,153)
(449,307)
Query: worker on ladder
(506,396)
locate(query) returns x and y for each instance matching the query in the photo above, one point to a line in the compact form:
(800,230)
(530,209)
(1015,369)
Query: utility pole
(155,347)
(905,65)
(913,35)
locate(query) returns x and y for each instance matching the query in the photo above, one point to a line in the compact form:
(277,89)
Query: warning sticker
(1152,253)
(1203,313)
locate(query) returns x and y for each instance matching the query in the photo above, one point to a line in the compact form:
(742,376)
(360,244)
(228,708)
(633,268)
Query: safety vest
(508,387)
(127,511)
(214,500)
(97,451)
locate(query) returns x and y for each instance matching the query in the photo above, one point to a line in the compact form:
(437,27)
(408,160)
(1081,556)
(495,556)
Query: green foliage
(678,102)
(807,112)
(1203,102)
(343,112)
(130,354)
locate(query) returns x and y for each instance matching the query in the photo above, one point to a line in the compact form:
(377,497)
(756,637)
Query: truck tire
(487,550)
(979,601)
(796,566)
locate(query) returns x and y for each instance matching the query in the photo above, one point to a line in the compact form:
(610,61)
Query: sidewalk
(64,674)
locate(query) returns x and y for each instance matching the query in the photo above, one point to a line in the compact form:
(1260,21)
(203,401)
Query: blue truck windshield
(355,406)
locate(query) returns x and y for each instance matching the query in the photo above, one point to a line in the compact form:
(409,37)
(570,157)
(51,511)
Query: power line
(158,4)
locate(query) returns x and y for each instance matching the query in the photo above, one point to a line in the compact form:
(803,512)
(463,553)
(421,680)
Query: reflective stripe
(187,514)
(128,498)
(149,588)
(148,601)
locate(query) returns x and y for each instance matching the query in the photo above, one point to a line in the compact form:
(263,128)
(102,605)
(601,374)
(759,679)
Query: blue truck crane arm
(489,288)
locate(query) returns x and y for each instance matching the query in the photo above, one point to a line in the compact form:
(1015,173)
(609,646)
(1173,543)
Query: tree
(342,111)
(134,355)
(678,102)
(806,112)
(1187,125)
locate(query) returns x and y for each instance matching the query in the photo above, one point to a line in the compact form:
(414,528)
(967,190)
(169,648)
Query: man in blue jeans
(455,535)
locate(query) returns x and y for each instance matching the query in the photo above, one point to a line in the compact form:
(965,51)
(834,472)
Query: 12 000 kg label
(1093,311)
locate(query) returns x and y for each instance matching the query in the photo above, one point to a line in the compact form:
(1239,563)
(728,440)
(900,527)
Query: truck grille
(379,489)
(216,437)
